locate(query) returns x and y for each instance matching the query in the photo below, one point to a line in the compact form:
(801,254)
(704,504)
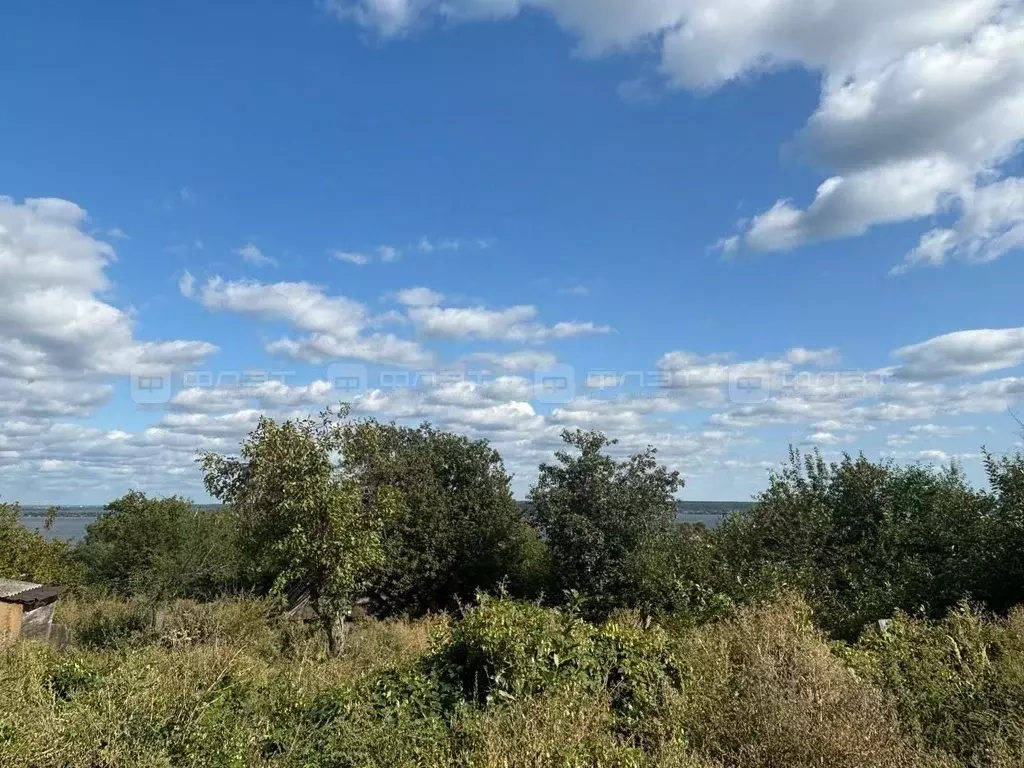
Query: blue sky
(667,198)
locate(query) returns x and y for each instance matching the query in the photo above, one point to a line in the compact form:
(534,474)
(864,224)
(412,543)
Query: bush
(862,540)
(601,517)
(764,690)
(957,683)
(506,650)
(26,555)
(457,529)
(164,548)
(108,623)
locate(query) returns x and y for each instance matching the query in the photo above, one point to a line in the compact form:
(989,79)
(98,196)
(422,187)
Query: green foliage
(677,577)
(599,517)
(862,540)
(506,650)
(106,624)
(674,646)
(27,555)
(302,525)
(760,690)
(163,548)
(456,530)
(1003,566)
(958,683)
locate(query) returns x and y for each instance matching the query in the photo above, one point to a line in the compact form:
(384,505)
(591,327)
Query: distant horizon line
(72,507)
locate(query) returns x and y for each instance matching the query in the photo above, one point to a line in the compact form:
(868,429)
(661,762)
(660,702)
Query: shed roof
(13,586)
(27,594)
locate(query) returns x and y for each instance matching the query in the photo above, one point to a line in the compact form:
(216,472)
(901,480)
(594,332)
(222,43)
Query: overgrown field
(508,683)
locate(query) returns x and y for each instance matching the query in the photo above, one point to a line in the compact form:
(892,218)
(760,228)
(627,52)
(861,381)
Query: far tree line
(411,521)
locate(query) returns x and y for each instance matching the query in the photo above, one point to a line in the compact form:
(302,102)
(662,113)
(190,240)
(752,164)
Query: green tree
(863,539)
(1005,563)
(457,529)
(161,547)
(601,516)
(302,523)
(26,554)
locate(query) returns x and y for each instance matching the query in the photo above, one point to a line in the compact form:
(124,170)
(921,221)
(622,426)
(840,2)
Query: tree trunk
(336,628)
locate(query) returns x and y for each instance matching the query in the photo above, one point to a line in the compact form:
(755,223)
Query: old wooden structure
(26,611)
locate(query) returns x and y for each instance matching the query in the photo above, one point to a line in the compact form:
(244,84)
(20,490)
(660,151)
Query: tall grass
(510,685)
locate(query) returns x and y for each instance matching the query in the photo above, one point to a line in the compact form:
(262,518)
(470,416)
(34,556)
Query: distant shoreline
(683,507)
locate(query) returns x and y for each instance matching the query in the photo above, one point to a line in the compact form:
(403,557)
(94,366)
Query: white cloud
(350,257)
(685,370)
(964,353)
(819,357)
(515,324)
(303,305)
(727,245)
(388,253)
(921,100)
(850,205)
(825,438)
(337,325)
(187,285)
(267,395)
(385,349)
(524,361)
(991,224)
(51,276)
(917,133)
(427,245)
(251,254)
(419,297)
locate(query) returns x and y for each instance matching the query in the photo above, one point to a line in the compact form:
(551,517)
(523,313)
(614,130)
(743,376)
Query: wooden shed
(26,610)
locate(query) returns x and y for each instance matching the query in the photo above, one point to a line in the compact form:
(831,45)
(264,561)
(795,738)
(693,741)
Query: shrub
(456,530)
(569,727)
(764,690)
(599,517)
(505,650)
(164,548)
(957,683)
(108,623)
(862,540)
(25,554)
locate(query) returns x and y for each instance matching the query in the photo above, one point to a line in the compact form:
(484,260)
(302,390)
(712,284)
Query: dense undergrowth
(510,683)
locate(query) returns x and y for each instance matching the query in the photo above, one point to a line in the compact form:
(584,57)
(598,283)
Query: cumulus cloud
(523,361)
(851,205)
(52,319)
(419,297)
(991,224)
(303,305)
(514,324)
(921,101)
(964,353)
(818,357)
(337,325)
(922,132)
(826,438)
